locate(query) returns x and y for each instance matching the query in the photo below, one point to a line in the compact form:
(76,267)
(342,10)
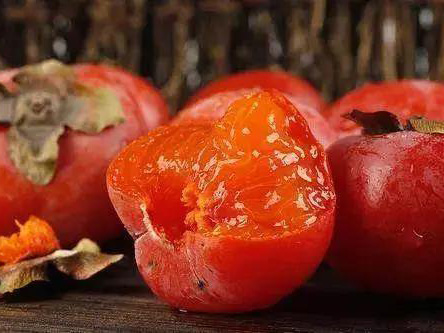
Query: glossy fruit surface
(404,98)
(35,238)
(288,84)
(213,108)
(75,201)
(228,216)
(389,231)
(212,100)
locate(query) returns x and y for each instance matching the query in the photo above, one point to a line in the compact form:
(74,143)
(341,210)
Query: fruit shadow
(326,301)
(327,294)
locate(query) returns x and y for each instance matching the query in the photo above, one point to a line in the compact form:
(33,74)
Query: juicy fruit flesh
(228,216)
(35,238)
(256,173)
(213,107)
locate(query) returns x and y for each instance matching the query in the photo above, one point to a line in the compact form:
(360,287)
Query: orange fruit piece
(228,216)
(35,238)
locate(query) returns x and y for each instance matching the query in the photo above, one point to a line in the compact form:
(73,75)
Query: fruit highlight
(229,216)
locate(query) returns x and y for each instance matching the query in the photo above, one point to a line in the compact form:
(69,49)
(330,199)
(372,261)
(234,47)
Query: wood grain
(117,300)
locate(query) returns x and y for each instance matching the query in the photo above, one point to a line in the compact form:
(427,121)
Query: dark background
(182,44)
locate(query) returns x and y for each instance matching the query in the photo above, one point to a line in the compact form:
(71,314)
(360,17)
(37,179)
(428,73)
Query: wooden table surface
(118,300)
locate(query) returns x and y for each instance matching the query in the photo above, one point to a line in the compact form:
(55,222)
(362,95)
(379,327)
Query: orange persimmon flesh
(229,216)
(35,238)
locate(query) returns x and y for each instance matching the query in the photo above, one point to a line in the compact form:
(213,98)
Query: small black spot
(151,265)
(201,284)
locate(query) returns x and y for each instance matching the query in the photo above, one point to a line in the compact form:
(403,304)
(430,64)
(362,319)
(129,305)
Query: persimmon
(389,229)
(213,107)
(404,98)
(60,126)
(303,93)
(212,100)
(227,216)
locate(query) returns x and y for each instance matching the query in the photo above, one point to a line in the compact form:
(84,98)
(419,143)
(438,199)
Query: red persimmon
(211,101)
(404,98)
(389,231)
(60,126)
(228,216)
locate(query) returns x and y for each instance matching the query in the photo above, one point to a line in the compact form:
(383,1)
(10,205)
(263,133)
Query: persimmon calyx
(383,122)
(47,101)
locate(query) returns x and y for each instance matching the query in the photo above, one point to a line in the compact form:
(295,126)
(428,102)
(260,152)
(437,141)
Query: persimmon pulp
(228,216)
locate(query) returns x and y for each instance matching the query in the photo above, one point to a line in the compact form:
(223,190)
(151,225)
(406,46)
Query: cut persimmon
(35,238)
(228,216)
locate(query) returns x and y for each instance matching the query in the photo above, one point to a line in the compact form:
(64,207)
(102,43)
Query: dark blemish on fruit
(151,265)
(201,284)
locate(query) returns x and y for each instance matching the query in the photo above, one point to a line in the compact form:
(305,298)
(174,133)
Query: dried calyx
(46,101)
(383,122)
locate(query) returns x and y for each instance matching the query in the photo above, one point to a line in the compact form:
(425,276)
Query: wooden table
(118,300)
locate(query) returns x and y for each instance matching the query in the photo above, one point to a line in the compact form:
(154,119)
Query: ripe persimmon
(404,98)
(227,216)
(60,126)
(212,100)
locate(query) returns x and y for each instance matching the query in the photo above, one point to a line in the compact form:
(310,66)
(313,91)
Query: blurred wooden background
(182,44)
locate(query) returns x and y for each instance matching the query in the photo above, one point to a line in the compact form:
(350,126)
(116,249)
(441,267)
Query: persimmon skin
(213,108)
(188,249)
(76,203)
(222,92)
(404,98)
(302,91)
(234,275)
(389,231)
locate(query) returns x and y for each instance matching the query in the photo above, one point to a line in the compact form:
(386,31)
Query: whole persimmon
(60,126)
(389,230)
(302,91)
(227,216)
(405,98)
(212,100)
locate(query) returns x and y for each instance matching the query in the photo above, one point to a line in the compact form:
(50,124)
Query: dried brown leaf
(375,123)
(423,125)
(49,99)
(80,263)
(34,151)
(94,110)
(87,262)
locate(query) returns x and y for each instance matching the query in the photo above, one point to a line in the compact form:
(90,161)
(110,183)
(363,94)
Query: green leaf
(80,263)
